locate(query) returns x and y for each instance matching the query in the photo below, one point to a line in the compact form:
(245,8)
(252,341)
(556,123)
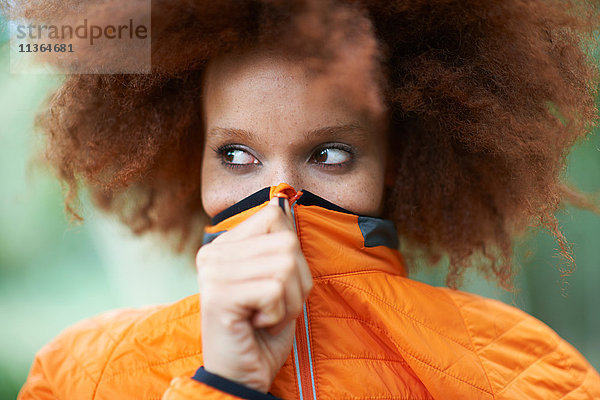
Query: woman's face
(265,124)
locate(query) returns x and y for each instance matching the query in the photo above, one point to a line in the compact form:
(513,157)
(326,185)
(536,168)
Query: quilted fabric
(366,332)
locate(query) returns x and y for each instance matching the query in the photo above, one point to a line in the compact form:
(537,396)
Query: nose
(285,173)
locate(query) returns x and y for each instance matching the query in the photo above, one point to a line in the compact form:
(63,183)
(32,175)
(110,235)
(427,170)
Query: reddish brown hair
(486,97)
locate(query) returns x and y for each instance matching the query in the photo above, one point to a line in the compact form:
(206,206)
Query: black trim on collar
(311,199)
(246,203)
(375,231)
(257,198)
(307,198)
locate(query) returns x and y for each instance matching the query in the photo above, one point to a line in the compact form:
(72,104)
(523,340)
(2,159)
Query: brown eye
(332,156)
(237,156)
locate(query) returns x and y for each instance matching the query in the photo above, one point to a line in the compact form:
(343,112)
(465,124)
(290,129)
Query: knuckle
(271,212)
(210,298)
(206,275)
(207,268)
(275,291)
(287,265)
(205,254)
(289,241)
(210,254)
(227,320)
(309,287)
(201,256)
(295,308)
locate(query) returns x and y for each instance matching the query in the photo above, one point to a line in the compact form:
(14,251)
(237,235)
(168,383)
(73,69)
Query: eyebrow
(350,131)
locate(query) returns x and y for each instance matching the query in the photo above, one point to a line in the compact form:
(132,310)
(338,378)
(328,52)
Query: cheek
(368,192)
(220,189)
(361,193)
(212,187)
(210,199)
(369,195)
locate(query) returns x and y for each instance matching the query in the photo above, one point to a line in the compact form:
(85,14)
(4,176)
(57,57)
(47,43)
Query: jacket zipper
(301,346)
(303,358)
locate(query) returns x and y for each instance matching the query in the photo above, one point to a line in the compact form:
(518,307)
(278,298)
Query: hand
(253,282)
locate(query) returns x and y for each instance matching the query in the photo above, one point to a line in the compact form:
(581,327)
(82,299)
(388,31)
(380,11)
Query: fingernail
(279,201)
(282,203)
(287,206)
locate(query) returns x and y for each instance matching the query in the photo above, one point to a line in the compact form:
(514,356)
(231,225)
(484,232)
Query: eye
(241,156)
(334,155)
(235,157)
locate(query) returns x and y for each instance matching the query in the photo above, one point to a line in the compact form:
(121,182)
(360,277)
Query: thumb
(284,205)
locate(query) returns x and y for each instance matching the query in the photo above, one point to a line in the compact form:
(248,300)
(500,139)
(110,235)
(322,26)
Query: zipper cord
(305,338)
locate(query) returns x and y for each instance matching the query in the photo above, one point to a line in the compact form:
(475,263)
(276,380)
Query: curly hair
(485,99)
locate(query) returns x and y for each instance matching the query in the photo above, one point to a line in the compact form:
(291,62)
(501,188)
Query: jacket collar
(334,241)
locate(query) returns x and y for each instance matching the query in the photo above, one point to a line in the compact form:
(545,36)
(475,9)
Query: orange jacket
(366,331)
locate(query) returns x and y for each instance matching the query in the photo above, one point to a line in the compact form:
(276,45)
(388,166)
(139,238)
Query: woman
(440,121)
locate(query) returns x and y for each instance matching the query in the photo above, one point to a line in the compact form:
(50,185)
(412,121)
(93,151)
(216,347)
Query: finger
(281,268)
(293,300)
(284,205)
(240,300)
(270,219)
(234,259)
(222,267)
(287,331)
(270,266)
(293,297)
(304,274)
(238,260)
(283,220)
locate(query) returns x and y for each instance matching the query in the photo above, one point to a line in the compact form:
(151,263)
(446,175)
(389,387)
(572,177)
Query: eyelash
(347,149)
(219,151)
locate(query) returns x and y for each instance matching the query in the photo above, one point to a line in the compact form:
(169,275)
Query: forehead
(270,93)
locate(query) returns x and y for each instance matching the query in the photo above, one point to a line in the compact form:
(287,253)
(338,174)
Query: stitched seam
(42,369)
(387,397)
(472,344)
(525,369)
(368,323)
(540,358)
(352,317)
(427,364)
(116,344)
(362,358)
(502,335)
(342,274)
(450,375)
(585,389)
(402,312)
(80,365)
(119,342)
(577,387)
(156,364)
(182,316)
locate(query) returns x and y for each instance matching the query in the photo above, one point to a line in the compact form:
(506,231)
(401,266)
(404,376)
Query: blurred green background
(53,274)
